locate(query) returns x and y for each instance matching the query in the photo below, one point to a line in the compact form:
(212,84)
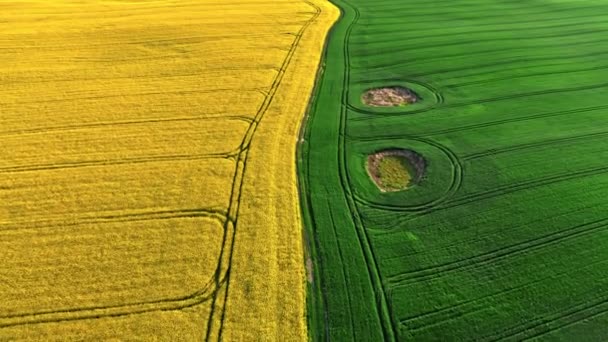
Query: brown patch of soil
(389,97)
(416,161)
(309,270)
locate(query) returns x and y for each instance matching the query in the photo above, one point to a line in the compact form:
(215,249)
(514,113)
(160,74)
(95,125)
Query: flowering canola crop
(147,167)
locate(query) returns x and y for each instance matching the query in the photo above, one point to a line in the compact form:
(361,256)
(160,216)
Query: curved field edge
(314,304)
(274,292)
(354,273)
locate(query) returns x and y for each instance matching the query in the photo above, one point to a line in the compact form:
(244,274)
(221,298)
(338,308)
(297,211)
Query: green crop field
(505,237)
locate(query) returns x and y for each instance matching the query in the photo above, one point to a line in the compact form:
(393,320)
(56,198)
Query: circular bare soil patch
(389,97)
(395,169)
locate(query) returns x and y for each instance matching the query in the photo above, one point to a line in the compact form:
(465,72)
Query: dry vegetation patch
(389,97)
(395,169)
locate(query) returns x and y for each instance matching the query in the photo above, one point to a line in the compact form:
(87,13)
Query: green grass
(506,237)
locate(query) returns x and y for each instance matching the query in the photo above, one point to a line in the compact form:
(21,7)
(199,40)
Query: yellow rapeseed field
(147,167)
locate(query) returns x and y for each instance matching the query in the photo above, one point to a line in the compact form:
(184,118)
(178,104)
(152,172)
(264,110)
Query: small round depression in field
(395,169)
(392,96)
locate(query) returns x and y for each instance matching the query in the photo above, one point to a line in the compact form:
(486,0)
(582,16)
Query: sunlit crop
(147,167)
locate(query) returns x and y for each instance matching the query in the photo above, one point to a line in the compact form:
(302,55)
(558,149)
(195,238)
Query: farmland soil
(389,97)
